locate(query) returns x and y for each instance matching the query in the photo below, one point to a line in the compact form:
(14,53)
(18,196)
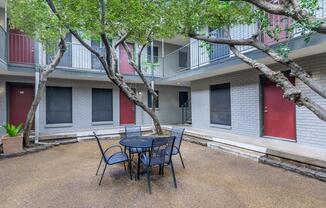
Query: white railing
(197,53)
(78,57)
(3,44)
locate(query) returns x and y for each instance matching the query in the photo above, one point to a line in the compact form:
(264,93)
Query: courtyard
(64,176)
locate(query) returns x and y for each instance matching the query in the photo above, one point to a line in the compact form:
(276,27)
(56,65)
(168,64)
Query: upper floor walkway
(177,61)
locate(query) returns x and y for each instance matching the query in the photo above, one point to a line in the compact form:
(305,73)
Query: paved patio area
(64,176)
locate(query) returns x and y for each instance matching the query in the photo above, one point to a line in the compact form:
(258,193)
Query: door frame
(262,79)
(13,84)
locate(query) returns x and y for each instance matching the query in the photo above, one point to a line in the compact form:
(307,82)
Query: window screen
(149,52)
(220,104)
(149,99)
(183,99)
(58,105)
(102,105)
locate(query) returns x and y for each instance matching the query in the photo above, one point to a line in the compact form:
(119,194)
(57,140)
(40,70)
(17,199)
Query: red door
(21,48)
(20,100)
(127,110)
(277,20)
(124,66)
(279,114)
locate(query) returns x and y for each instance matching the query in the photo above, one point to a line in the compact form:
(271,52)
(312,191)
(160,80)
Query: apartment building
(79,96)
(229,96)
(211,89)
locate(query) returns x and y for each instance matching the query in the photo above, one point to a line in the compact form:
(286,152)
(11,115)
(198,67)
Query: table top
(138,141)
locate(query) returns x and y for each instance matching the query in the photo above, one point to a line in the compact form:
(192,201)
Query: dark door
(279,114)
(124,66)
(21,48)
(218,51)
(66,60)
(20,101)
(127,110)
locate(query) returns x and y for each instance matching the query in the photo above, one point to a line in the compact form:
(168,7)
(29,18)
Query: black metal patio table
(143,142)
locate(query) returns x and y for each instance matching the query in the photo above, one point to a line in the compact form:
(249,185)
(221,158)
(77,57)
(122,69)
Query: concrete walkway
(285,149)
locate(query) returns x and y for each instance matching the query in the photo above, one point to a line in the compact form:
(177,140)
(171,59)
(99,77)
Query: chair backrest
(178,133)
(132,130)
(162,149)
(99,144)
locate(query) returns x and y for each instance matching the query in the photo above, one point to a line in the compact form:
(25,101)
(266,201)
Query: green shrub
(12,130)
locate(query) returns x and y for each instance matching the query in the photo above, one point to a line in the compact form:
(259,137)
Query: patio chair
(115,158)
(159,155)
(133,131)
(178,133)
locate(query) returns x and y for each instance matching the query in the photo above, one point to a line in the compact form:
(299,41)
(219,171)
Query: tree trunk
(45,72)
(31,113)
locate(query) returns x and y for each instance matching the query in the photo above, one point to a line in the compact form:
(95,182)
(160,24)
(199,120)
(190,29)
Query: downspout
(37,58)
(152,81)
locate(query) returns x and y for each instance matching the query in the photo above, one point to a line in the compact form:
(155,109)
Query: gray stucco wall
(245,103)
(168,113)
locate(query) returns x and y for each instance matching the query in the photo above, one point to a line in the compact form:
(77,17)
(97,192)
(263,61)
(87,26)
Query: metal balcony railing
(20,48)
(199,53)
(78,57)
(3,44)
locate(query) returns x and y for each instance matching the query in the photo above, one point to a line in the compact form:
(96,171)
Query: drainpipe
(152,81)
(37,58)
(163,57)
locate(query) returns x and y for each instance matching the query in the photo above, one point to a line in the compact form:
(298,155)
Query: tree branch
(56,60)
(290,9)
(290,92)
(296,70)
(122,39)
(137,67)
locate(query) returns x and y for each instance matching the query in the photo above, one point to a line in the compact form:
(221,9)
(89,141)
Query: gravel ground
(64,176)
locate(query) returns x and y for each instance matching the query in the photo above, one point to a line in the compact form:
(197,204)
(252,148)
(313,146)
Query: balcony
(78,57)
(20,48)
(3,44)
(198,54)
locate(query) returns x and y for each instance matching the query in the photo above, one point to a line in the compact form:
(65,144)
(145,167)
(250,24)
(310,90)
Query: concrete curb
(27,151)
(300,169)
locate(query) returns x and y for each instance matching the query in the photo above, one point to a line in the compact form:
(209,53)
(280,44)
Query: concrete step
(57,137)
(235,150)
(90,137)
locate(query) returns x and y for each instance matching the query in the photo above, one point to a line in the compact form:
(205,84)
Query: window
(102,105)
(220,104)
(149,53)
(149,99)
(58,105)
(183,99)
(183,59)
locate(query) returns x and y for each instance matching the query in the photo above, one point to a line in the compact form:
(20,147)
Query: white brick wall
(244,102)
(245,109)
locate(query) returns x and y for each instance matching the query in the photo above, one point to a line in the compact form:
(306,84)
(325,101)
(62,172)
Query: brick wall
(245,110)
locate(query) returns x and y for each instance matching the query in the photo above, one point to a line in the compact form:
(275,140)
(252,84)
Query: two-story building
(79,96)
(212,89)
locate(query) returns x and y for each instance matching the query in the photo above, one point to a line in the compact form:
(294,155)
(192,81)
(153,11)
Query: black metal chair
(160,155)
(178,133)
(134,131)
(115,158)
